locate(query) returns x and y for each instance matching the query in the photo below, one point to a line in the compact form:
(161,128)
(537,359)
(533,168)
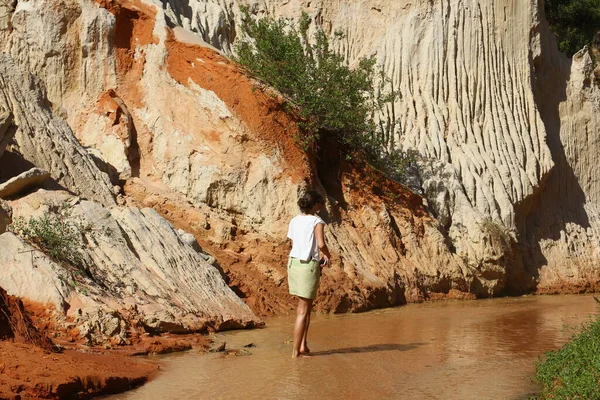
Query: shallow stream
(483,349)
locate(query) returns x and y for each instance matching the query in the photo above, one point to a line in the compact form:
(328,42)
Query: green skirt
(303,277)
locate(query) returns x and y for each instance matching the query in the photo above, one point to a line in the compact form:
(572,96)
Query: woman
(304,266)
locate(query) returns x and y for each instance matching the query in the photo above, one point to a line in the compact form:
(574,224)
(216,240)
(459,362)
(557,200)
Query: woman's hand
(324,261)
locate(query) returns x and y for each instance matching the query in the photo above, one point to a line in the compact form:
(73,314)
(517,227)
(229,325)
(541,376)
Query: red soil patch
(261,113)
(569,287)
(453,294)
(29,371)
(108,106)
(365,184)
(16,325)
(30,365)
(134,27)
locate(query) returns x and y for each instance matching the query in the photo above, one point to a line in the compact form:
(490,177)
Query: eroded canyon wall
(509,125)
(179,128)
(485,92)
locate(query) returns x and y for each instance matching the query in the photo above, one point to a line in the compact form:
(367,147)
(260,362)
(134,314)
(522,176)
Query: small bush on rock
(55,234)
(498,234)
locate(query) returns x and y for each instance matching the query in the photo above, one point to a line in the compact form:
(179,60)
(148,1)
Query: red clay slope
(31,367)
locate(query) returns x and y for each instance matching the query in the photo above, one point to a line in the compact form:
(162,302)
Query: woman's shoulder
(315,219)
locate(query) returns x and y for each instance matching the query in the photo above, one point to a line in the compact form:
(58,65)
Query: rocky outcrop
(46,140)
(132,270)
(23,182)
(6,133)
(560,225)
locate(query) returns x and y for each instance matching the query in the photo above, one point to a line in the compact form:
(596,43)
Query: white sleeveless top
(302,233)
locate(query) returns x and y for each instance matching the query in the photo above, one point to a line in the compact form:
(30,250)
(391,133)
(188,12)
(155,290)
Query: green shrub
(574,22)
(325,94)
(497,233)
(573,372)
(55,234)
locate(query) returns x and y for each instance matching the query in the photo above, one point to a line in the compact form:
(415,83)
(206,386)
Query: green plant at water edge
(575,22)
(353,106)
(573,372)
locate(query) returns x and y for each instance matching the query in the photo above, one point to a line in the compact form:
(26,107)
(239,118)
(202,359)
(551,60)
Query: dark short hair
(308,200)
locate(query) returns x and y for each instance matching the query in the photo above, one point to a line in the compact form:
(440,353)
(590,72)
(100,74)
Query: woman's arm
(320,235)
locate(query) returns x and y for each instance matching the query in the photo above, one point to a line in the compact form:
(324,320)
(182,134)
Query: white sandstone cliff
(485,91)
(181,130)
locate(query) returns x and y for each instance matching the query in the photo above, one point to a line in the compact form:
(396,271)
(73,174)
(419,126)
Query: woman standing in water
(304,266)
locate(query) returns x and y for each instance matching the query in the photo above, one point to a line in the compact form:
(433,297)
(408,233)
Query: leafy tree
(326,95)
(575,22)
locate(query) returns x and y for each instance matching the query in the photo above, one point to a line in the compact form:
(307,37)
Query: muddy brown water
(483,349)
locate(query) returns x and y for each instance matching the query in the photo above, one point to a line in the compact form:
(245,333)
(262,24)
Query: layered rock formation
(560,225)
(44,139)
(485,92)
(132,270)
(194,139)
(175,126)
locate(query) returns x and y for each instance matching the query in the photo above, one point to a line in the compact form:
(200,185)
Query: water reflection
(482,349)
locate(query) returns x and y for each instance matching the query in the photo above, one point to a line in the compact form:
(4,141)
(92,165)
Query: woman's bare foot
(305,351)
(301,354)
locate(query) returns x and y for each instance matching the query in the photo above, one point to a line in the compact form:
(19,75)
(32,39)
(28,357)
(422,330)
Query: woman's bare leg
(304,306)
(304,345)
